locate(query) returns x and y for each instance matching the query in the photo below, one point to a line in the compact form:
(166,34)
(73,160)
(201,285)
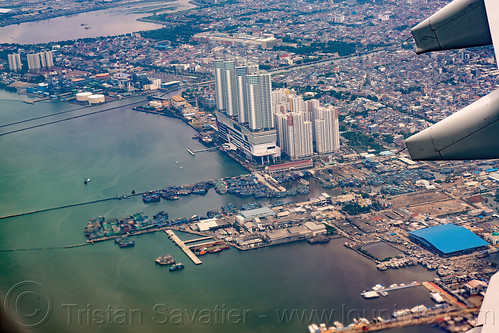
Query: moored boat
(165,259)
(176,267)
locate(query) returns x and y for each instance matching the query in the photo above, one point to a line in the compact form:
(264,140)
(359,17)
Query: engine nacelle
(471,133)
(460,24)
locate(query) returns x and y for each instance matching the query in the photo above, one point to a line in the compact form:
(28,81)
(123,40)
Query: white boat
(437,297)
(370,294)
(313,328)
(400,313)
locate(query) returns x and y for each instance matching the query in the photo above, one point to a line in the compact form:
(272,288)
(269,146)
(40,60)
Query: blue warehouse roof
(449,238)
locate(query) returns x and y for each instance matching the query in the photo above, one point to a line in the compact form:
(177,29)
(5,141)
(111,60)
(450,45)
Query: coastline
(102,6)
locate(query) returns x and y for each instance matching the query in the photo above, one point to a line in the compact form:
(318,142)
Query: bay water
(102,288)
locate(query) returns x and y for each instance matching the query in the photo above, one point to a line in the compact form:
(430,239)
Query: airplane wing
(488,317)
(473,132)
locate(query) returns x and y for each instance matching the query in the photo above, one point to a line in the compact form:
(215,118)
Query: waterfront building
(220,83)
(15,62)
(244,110)
(259,88)
(259,146)
(448,239)
(230,90)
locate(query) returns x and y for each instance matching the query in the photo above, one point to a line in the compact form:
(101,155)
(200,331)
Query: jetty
(184,248)
(194,152)
(381,290)
(197,239)
(428,317)
(33,101)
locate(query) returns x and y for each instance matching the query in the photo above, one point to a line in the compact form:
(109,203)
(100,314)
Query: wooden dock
(184,248)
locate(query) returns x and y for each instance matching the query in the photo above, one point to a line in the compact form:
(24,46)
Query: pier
(383,290)
(193,152)
(197,239)
(429,317)
(184,248)
(33,101)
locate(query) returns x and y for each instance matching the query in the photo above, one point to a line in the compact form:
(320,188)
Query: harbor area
(184,248)
(386,229)
(379,289)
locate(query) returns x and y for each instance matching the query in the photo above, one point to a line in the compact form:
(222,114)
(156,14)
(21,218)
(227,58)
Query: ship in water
(213,247)
(176,267)
(124,242)
(151,197)
(165,259)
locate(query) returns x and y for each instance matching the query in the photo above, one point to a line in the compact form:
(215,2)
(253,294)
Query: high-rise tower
(326,130)
(244,109)
(15,62)
(260,101)
(34,61)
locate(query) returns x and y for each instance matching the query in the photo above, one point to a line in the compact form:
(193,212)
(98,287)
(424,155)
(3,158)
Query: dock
(429,317)
(197,239)
(184,248)
(194,152)
(383,290)
(33,101)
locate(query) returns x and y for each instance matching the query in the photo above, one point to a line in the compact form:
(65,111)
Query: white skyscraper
(15,62)
(220,84)
(244,93)
(326,130)
(259,89)
(46,59)
(230,94)
(294,134)
(244,109)
(294,116)
(34,61)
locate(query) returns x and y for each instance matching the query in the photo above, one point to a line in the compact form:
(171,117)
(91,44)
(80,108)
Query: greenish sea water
(102,288)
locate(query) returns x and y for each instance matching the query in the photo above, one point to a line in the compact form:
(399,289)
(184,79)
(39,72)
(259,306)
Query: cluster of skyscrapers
(36,61)
(301,125)
(243,93)
(262,123)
